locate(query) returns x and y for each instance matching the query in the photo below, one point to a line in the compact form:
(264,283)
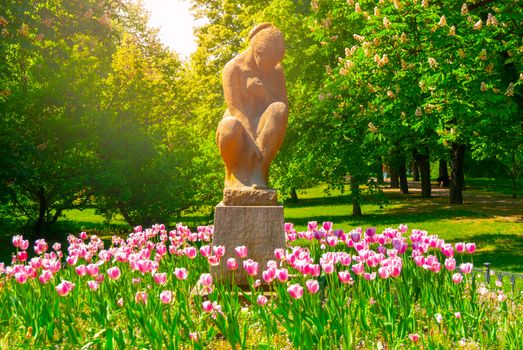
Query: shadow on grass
(319,201)
(389,217)
(504,252)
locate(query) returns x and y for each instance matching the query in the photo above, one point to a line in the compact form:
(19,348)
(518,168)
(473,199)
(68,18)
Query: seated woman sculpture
(254,124)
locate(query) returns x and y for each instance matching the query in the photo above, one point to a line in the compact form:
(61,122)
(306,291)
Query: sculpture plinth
(259,228)
(248,137)
(248,196)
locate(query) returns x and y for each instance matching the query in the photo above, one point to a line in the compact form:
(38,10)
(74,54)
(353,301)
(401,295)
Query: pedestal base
(259,228)
(248,196)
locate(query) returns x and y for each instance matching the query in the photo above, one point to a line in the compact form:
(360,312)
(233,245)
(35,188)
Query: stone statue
(254,124)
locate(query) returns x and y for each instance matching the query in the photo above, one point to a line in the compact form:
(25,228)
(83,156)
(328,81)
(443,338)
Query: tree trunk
(514,174)
(443,174)
(404,185)
(424,167)
(457,178)
(294,195)
(379,170)
(415,170)
(355,194)
(42,211)
(394,177)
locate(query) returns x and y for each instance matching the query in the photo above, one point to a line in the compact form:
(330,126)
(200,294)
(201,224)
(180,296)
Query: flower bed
(327,289)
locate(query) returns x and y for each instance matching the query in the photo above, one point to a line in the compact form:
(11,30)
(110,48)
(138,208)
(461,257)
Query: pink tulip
(93,285)
(45,276)
(251,267)
(24,244)
(414,337)
(269,275)
(332,240)
(205,250)
(232,264)
(166,296)
(312,226)
(219,250)
(181,273)
(114,273)
(314,270)
(241,251)
(403,228)
(439,318)
(54,266)
(327,226)
(83,235)
(160,278)
(295,291)
(344,277)
(457,314)
(457,278)
(190,252)
(450,264)
(460,247)
(288,226)
(279,254)
(470,247)
(282,275)
(369,276)
(358,269)
(145,266)
(17,240)
(81,270)
(100,278)
(21,277)
(140,297)
(40,246)
(261,300)
(344,259)
(448,250)
(435,267)
(72,260)
(92,270)
(370,231)
(120,302)
(213,260)
(193,336)
(57,246)
(206,279)
(161,249)
(64,288)
(22,255)
(312,286)
(465,268)
(328,267)
(384,272)
(207,306)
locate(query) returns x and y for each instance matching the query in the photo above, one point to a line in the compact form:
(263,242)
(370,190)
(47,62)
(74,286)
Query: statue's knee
(230,126)
(280,113)
(279,108)
(229,131)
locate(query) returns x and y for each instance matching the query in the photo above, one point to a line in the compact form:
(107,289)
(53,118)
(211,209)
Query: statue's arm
(232,88)
(280,88)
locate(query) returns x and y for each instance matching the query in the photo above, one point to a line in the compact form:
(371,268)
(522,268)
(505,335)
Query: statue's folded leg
(236,151)
(271,131)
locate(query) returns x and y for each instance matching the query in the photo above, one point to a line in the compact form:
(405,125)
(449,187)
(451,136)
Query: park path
(479,200)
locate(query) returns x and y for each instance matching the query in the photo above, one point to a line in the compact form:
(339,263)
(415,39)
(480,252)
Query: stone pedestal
(259,228)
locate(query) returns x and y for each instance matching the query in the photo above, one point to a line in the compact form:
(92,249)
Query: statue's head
(268,45)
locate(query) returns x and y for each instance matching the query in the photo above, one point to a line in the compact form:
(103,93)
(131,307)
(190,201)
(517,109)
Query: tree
(436,67)
(55,54)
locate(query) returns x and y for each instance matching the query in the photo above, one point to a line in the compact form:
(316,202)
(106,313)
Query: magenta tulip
(295,291)
(312,286)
